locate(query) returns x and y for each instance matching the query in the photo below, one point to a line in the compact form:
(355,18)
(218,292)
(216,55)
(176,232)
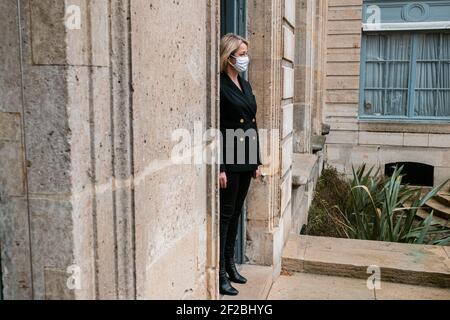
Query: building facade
(91,205)
(94,95)
(387,94)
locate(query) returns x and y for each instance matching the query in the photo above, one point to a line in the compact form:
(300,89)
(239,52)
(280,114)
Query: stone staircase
(439,205)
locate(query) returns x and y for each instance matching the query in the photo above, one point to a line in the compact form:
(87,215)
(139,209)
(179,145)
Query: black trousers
(231,202)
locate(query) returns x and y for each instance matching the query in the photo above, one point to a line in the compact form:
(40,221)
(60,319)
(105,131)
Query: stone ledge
(399,263)
(302,168)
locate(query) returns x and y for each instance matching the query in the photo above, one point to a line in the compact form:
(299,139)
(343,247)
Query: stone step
(304,286)
(260,280)
(444,198)
(440,210)
(399,263)
(424,214)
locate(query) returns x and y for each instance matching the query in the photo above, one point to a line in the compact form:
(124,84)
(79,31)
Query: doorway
(234,20)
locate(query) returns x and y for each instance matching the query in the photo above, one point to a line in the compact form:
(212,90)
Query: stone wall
(86,116)
(172,74)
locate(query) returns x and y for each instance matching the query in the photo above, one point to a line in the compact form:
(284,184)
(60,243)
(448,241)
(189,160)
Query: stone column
(264,202)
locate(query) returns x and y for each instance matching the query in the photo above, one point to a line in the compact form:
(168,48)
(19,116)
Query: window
(405,75)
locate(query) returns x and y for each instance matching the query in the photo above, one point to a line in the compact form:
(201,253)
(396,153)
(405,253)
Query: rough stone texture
(87,147)
(12,170)
(439,140)
(287,153)
(288,83)
(286,191)
(48,32)
(289,11)
(288,120)
(379,138)
(400,263)
(302,286)
(176,98)
(80,126)
(259,283)
(416,140)
(15,249)
(14,228)
(10,81)
(88,44)
(288,44)
(52,243)
(306,171)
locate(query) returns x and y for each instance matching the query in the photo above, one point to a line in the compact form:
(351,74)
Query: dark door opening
(416,174)
(234,20)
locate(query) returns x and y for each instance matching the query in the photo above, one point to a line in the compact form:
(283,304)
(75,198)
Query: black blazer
(238,126)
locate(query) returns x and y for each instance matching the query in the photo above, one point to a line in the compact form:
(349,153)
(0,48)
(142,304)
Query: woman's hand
(223,180)
(257,173)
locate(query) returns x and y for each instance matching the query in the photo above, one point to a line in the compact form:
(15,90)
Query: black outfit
(238,112)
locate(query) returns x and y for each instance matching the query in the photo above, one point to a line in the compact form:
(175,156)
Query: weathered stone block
(342,82)
(343,54)
(288,120)
(288,83)
(342,96)
(287,153)
(343,69)
(345,13)
(52,241)
(48,32)
(56,287)
(10,126)
(344,41)
(289,11)
(340,27)
(46,129)
(440,140)
(288,44)
(12,175)
(381,138)
(56,41)
(344,137)
(10,80)
(286,191)
(441,175)
(416,140)
(15,249)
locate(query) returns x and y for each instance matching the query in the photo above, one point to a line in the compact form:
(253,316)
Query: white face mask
(241,63)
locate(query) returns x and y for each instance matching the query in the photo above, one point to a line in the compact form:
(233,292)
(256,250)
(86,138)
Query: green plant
(324,217)
(375,210)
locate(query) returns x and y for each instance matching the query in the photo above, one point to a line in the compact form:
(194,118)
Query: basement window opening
(416,174)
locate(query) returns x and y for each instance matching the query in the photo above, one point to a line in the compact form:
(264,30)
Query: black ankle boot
(233,273)
(225,286)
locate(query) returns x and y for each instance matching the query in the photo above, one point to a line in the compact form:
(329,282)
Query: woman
(240,151)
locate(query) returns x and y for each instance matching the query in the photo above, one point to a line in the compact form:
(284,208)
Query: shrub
(375,210)
(372,207)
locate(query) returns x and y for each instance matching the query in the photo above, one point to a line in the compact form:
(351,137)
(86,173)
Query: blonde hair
(229,44)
